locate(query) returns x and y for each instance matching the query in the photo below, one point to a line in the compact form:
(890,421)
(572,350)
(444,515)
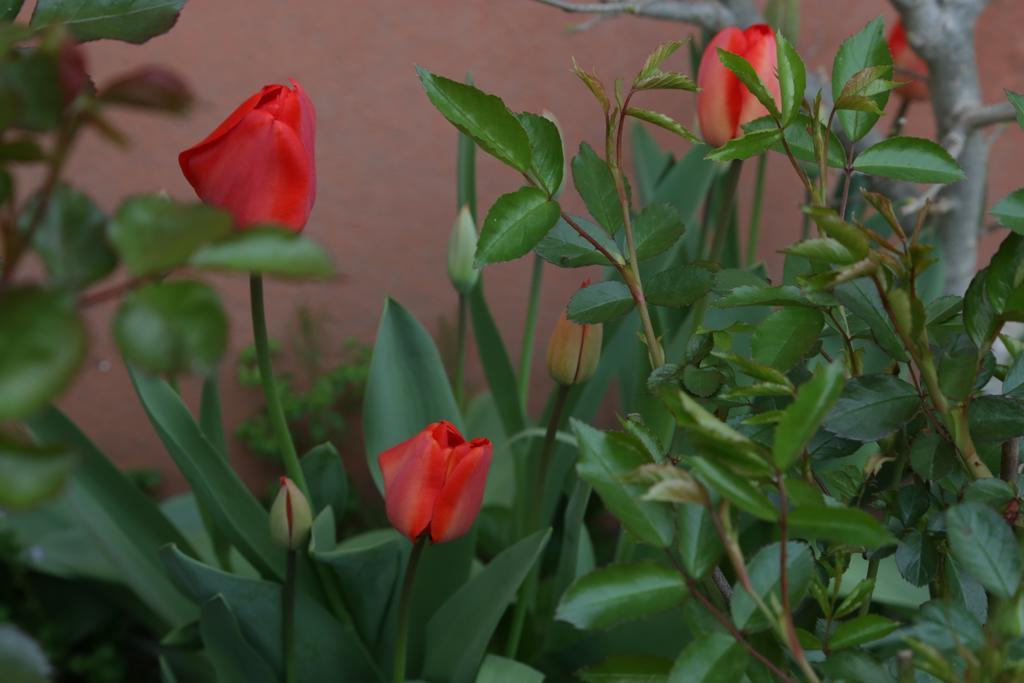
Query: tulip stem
(529,588)
(460,352)
(288,619)
(405,611)
(273,399)
(530,330)
(725,209)
(755,210)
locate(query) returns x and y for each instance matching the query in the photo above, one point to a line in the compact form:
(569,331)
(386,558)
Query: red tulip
(907,66)
(259,163)
(435,482)
(724,104)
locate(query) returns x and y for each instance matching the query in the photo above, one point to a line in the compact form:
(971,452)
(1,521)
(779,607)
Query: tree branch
(706,13)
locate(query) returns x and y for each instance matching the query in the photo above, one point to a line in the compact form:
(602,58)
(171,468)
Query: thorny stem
(955,417)
(654,349)
(847,177)
(787,614)
(872,574)
(1009,464)
(725,621)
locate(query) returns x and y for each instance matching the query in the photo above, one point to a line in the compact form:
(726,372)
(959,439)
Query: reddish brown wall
(386,159)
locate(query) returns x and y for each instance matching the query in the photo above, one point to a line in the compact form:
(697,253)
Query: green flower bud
(461,252)
(290,516)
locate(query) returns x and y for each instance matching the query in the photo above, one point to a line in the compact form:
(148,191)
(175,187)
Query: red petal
(259,171)
(230,122)
(719,101)
(760,52)
(414,473)
(459,502)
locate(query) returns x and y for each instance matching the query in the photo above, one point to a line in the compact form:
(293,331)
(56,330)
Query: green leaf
(1017,101)
(328,482)
(546,152)
(267,250)
(621,592)
(1009,211)
(326,649)
(626,669)
(913,159)
(800,141)
(30,94)
(678,286)
(861,630)
(232,657)
(824,249)
(31,473)
(984,546)
(656,229)
(932,457)
(217,488)
(119,518)
(497,366)
(497,669)
(71,239)
(483,117)
(848,526)
(600,302)
(863,301)
(42,343)
(996,418)
(850,236)
(981,320)
(662,121)
(21,658)
(515,224)
(713,657)
(605,460)
(458,633)
(865,49)
(406,364)
(792,78)
(699,544)
(596,186)
(566,248)
(652,64)
(801,419)
(749,77)
(763,295)
(666,80)
(786,336)
(368,567)
(736,489)
(153,234)
(133,21)
(873,406)
(172,327)
(917,558)
(746,146)
(9,9)
(763,569)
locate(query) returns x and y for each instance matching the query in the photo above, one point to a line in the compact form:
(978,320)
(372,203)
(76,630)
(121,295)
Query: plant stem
(787,614)
(725,209)
(1009,462)
(405,611)
(529,588)
(755,211)
(277,419)
(847,178)
(530,330)
(460,352)
(288,620)
(871,574)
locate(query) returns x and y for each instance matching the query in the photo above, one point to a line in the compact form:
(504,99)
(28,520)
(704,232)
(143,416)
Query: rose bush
(813,476)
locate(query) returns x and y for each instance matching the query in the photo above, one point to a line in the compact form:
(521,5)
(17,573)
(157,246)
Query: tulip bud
(434,482)
(907,66)
(461,252)
(724,104)
(290,516)
(574,350)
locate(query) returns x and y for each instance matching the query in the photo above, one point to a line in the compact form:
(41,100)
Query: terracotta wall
(386,159)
